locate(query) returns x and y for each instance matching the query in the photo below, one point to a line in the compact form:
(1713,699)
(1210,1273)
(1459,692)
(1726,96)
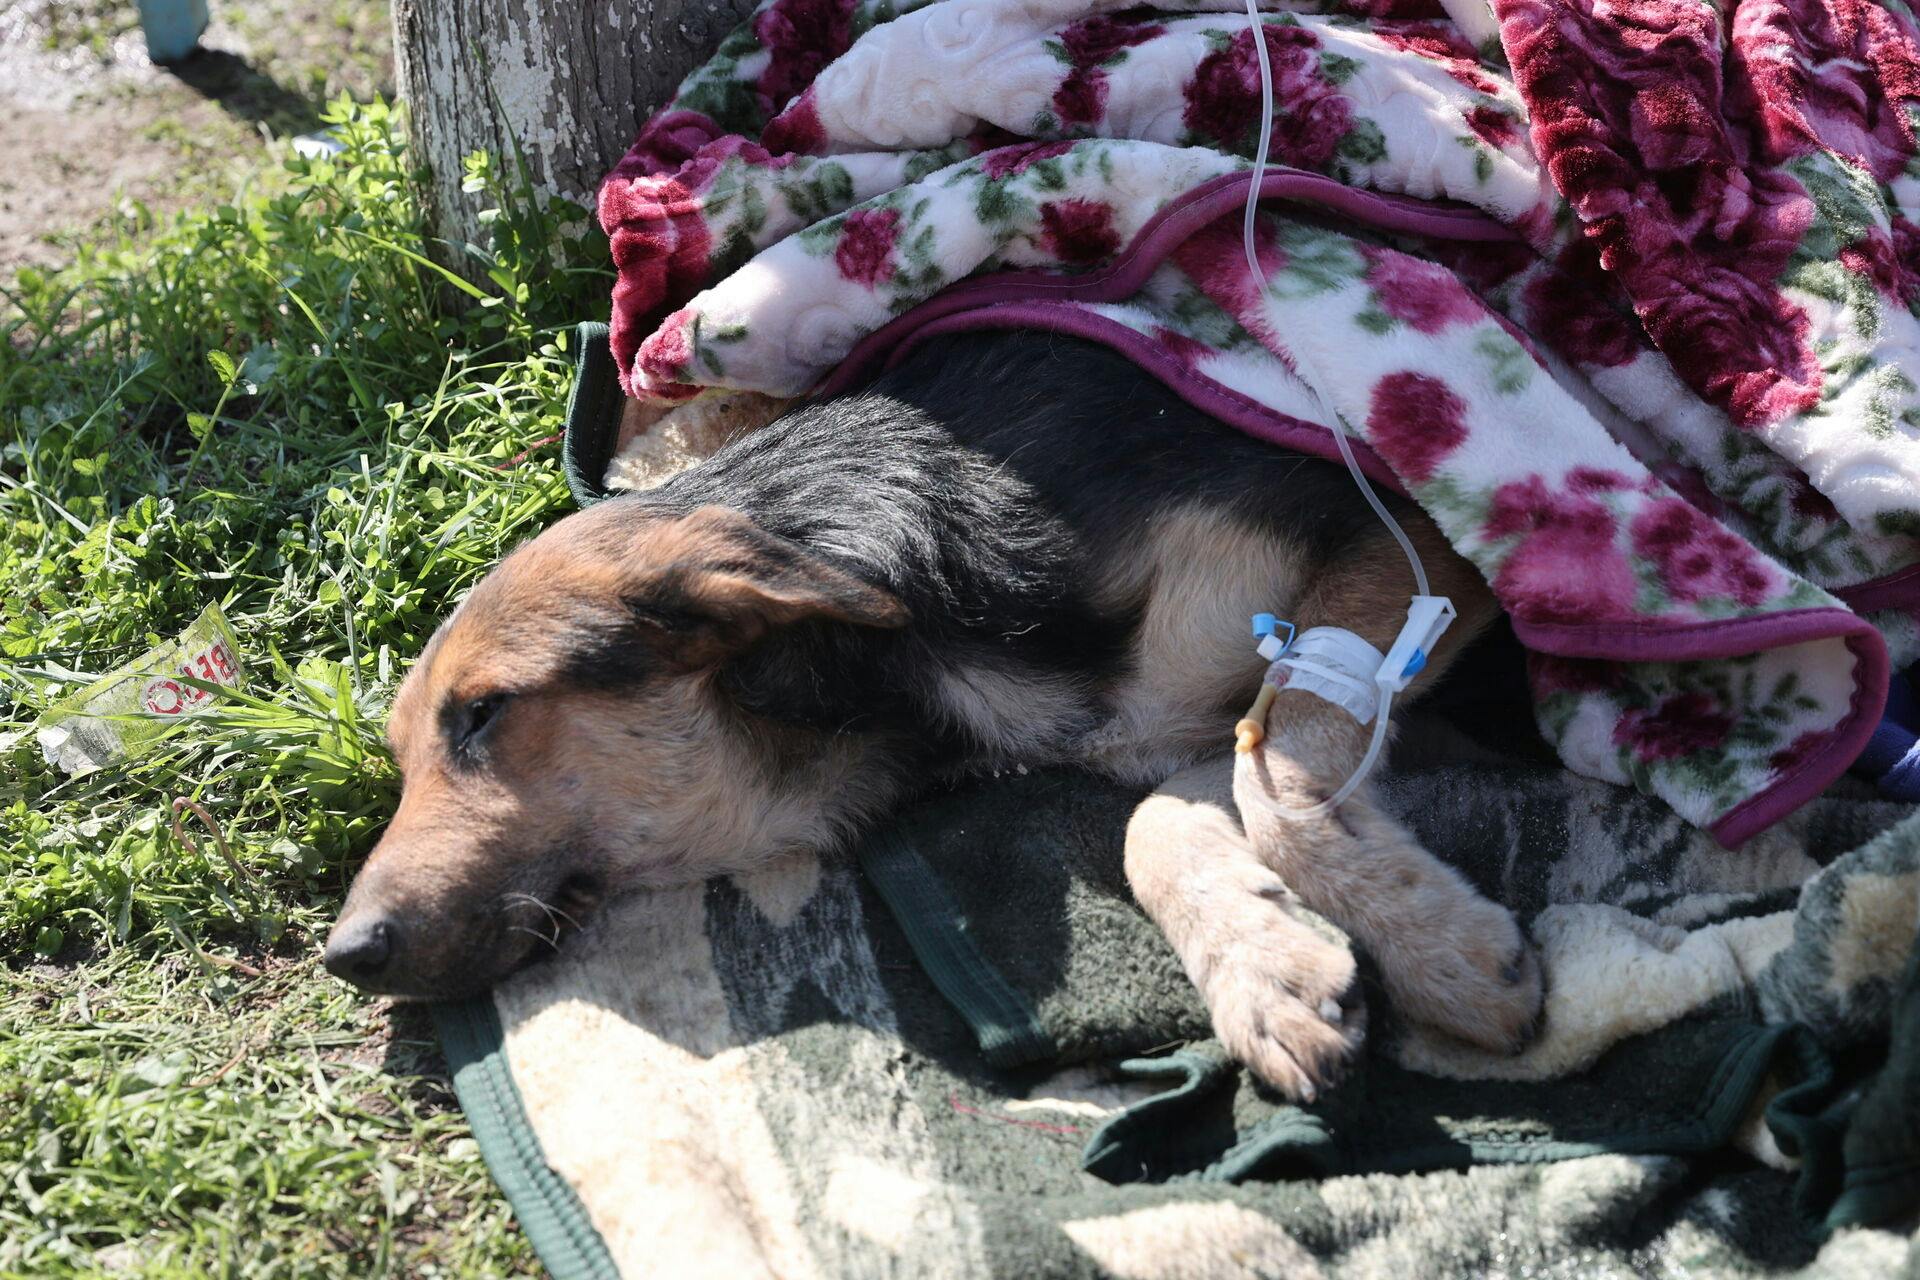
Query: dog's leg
(1448,957)
(1281,990)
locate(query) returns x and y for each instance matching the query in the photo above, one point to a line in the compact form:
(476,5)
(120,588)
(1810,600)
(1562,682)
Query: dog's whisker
(546,908)
(552,941)
(527,899)
(553,911)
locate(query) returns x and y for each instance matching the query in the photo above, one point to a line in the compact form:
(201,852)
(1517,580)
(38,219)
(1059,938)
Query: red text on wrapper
(165,696)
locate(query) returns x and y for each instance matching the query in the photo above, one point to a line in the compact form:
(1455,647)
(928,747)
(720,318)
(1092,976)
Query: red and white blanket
(1622,292)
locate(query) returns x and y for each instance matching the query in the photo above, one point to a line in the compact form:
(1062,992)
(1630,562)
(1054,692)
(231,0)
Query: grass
(283,405)
(172,1122)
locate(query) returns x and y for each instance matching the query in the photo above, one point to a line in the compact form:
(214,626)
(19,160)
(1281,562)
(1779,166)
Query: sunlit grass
(287,405)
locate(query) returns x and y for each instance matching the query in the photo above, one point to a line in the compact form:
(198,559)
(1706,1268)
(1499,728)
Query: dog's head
(566,730)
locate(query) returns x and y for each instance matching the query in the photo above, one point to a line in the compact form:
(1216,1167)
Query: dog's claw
(1527,1034)
(1516,967)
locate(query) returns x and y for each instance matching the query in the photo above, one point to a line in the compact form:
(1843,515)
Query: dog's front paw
(1285,998)
(1471,974)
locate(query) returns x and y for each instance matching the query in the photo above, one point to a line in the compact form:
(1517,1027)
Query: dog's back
(1079,547)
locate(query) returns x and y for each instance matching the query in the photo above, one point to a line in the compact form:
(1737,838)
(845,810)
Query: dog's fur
(1012,549)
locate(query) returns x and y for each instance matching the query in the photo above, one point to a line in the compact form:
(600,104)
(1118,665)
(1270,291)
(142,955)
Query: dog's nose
(360,950)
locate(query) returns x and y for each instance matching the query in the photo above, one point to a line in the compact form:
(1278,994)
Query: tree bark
(569,82)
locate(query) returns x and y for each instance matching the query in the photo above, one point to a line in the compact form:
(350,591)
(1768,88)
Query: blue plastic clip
(1266,629)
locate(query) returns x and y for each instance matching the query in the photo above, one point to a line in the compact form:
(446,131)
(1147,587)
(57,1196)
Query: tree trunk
(570,82)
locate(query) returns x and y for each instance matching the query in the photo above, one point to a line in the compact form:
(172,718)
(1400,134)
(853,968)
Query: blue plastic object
(1903,708)
(1892,756)
(1416,664)
(172,27)
(1267,629)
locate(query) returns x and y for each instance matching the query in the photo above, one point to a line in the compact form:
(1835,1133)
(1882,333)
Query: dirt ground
(91,130)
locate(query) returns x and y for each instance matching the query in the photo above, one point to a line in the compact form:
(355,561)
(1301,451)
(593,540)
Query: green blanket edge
(1004,1025)
(594,405)
(555,1221)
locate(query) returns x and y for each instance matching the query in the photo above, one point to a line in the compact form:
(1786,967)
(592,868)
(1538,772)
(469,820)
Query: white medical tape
(1336,665)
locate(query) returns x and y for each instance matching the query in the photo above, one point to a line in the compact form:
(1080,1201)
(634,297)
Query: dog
(1014,548)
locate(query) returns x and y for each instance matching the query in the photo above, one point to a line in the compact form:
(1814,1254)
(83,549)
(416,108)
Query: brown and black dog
(1011,549)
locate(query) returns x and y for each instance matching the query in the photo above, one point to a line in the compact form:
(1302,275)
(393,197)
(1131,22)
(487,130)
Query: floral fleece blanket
(1624,295)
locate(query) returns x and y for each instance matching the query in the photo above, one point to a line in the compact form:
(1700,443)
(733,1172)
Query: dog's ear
(713,583)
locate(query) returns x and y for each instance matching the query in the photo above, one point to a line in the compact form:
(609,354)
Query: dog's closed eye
(469,722)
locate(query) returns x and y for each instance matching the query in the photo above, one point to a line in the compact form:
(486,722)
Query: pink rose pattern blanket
(1623,294)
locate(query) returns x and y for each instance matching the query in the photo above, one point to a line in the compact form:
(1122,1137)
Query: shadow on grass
(247,93)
